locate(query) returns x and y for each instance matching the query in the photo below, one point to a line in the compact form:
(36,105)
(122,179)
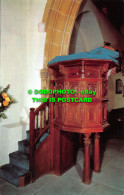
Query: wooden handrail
(43,105)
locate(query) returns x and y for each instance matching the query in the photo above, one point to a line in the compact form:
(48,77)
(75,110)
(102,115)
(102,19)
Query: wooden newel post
(51,118)
(97,153)
(32,139)
(86,171)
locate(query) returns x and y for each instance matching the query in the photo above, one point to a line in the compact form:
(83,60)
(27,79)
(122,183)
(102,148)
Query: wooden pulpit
(80,107)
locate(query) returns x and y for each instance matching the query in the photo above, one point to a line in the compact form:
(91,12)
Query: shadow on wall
(17,126)
(74,42)
(86,34)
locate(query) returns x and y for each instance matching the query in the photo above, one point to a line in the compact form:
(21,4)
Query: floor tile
(43,181)
(113,152)
(111,176)
(80,155)
(101,189)
(63,186)
(8,189)
(106,160)
(118,162)
(2,182)
(114,146)
(76,171)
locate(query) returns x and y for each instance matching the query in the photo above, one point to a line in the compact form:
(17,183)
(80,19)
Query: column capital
(87,140)
(44,73)
(97,136)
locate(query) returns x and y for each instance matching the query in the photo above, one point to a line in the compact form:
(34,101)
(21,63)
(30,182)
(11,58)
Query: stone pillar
(44,79)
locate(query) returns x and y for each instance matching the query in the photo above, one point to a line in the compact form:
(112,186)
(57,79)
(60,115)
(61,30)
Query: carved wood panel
(72,85)
(92,113)
(94,85)
(60,112)
(91,73)
(59,85)
(104,88)
(73,114)
(59,106)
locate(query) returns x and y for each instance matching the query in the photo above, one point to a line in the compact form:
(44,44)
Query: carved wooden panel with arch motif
(59,106)
(92,113)
(73,114)
(104,88)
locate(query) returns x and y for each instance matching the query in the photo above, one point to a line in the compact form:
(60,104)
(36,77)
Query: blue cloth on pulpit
(98,53)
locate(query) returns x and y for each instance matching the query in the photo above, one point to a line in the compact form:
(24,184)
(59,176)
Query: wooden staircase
(33,157)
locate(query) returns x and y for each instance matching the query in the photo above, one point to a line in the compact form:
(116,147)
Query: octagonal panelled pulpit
(86,76)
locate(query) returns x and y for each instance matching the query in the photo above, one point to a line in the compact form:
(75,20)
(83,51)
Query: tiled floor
(109,182)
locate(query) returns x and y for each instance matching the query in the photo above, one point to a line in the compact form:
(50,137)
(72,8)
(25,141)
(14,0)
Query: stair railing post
(32,140)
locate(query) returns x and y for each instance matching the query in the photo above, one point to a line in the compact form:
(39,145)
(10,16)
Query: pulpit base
(65,151)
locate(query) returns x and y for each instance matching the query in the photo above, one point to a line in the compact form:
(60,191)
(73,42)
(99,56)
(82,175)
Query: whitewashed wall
(22,48)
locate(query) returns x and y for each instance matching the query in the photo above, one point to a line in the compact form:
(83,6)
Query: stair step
(11,173)
(42,138)
(20,159)
(23,146)
(17,171)
(27,132)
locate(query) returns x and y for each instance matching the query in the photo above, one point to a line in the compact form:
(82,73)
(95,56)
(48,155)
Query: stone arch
(59,18)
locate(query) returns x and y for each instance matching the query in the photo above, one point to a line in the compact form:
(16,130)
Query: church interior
(54,151)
